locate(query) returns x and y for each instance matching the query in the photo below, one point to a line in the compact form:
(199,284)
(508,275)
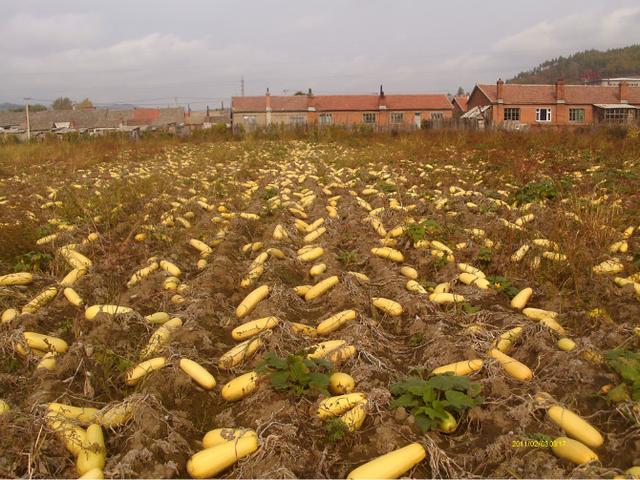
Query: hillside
(9,106)
(584,66)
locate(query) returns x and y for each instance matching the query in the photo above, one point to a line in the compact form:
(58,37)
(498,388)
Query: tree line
(584,66)
(60,103)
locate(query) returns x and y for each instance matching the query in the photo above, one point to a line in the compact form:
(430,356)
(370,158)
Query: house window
(397,117)
(615,114)
(326,119)
(576,115)
(369,118)
(512,114)
(543,114)
(296,120)
(437,116)
(249,119)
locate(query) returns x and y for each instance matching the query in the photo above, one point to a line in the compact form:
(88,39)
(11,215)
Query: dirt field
(441,201)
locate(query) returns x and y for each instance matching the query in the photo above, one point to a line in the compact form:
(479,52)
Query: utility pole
(28,121)
(242,86)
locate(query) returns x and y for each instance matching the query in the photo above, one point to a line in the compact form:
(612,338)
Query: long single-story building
(515,105)
(380,111)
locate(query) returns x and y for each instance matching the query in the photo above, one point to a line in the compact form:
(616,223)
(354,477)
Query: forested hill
(584,66)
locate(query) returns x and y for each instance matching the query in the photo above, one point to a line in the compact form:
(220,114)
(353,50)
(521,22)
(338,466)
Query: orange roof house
(380,111)
(459,104)
(558,104)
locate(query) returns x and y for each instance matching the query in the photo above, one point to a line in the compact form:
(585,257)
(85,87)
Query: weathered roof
(332,103)
(169,116)
(8,119)
(610,106)
(574,94)
(476,112)
(94,118)
(195,118)
(294,103)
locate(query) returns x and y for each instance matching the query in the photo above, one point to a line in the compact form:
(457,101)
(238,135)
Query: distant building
(380,111)
(515,105)
(207,119)
(93,121)
(614,82)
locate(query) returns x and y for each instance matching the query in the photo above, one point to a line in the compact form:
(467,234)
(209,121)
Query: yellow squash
(391,465)
(575,426)
(250,301)
(209,462)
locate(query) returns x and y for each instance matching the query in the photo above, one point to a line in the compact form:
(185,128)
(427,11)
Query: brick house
(459,103)
(380,111)
(513,105)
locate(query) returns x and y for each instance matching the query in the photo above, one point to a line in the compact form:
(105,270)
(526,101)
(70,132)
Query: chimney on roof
(207,111)
(382,101)
(268,106)
(268,100)
(500,91)
(560,91)
(310,93)
(623,92)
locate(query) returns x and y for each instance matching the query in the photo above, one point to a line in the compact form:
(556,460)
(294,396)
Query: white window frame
(573,112)
(511,114)
(297,120)
(369,118)
(396,118)
(326,119)
(547,115)
(249,120)
(615,115)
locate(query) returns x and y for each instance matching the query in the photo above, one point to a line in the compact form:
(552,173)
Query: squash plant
(433,402)
(626,364)
(296,374)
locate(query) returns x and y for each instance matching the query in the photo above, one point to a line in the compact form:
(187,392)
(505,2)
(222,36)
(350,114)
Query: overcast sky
(149,52)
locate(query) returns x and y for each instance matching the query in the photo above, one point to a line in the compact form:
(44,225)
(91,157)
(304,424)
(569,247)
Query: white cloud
(542,41)
(594,29)
(144,67)
(69,54)
(309,22)
(28,33)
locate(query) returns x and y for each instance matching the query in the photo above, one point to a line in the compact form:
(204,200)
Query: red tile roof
(461,100)
(144,116)
(332,103)
(515,94)
(418,102)
(248,104)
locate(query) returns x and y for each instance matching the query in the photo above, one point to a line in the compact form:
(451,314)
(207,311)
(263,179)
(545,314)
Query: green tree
(85,104)
(62,103)
(460,92)
(38,107)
